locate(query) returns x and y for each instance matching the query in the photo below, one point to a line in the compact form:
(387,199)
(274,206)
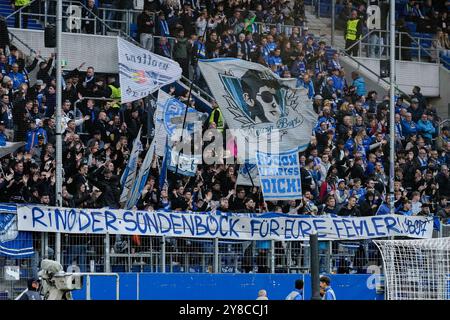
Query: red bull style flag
(142,72)
(266,113)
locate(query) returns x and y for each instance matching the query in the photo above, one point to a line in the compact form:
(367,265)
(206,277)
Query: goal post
(416,269)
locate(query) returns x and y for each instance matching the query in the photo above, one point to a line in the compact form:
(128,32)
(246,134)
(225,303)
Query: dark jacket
(43,73)
(4,35)
(142,25)
(346,212)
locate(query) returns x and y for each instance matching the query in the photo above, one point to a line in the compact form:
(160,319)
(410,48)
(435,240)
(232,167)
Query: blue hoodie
(360,85)
(426,128)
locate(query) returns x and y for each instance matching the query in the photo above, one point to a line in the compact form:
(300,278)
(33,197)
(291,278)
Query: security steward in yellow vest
(216,117)
(113,92)
(353,33)
(16,5)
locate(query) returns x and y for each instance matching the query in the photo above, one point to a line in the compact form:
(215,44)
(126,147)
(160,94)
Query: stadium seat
(120,268)
(133,30)
(325,10)
(147,268)
(136,268)
(411,26)
(4,295)
(339,8)
(177,269)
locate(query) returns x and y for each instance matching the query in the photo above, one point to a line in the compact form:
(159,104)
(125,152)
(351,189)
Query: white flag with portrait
(268,113)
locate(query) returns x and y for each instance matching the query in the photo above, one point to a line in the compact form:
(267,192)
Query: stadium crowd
(344,170)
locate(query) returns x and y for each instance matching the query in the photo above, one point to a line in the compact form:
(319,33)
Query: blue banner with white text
(279,175)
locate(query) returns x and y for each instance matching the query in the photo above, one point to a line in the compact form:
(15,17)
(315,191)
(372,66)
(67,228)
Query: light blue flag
(129,174)
(13,243)
(141,180)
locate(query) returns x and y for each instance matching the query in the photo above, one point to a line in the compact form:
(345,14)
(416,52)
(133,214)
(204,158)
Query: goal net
(416,269)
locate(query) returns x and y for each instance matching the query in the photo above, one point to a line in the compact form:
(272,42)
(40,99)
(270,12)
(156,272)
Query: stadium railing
(379,78)
(421,47)
(108,20)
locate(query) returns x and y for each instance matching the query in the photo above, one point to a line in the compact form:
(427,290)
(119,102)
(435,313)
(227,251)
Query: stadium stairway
(322,26)
(6,10)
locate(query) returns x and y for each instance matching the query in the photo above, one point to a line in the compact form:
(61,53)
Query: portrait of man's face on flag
(259,95)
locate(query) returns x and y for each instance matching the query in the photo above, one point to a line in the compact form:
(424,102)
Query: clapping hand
(9,177)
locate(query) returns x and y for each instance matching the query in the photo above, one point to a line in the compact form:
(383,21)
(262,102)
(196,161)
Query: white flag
(269,113)
(9,148)
(142,72)
(248,175)
(169,118)
(129,174)
(141,180)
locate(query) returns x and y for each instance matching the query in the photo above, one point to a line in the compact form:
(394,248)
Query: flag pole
(195,63)
(392,107)
(59,168)
(249,175)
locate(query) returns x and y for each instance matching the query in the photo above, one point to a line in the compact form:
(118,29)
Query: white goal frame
(416,269)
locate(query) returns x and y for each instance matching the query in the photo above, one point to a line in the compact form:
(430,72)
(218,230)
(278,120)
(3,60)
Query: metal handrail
(19,10)
(418,44)
(416,40)
(102,22)
(96,18)
(200,92)
(359,42)
(441,125)
(445,63)
(13,36)
(343,52)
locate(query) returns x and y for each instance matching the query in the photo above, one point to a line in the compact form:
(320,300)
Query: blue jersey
(17,79)
(295,295)
(383,209)
(275,60)
(300,295)
(329,294)
(271,46)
